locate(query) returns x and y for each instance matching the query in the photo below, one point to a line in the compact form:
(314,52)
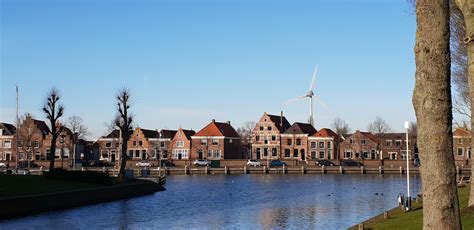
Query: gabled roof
(461,132)
(42,126)
(370,136)
(218,129)
(277,119)
(391,135)
(166,133)
(8,129)
(149,133)
(189,133)
(325,133)
(114,134)
(301,128)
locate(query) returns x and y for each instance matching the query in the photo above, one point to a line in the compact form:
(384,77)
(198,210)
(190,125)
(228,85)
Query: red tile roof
(370,136)
(218,129)
(325,133)
(461,132)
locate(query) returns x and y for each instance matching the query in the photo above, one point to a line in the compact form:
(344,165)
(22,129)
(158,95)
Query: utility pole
(17,125)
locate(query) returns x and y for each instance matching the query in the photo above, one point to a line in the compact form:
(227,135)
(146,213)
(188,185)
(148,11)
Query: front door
(265,152)
(112,158)
(180,156)
(303,156)
(258,154)
(200,155)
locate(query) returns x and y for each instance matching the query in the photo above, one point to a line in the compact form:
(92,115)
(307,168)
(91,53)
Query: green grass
(398,219)
(14,185)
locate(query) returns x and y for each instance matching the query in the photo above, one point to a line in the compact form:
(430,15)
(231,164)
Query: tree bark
(467,9)
(433,107)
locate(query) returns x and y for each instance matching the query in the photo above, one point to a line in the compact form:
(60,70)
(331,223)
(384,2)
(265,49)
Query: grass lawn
(414,219)
(12,185)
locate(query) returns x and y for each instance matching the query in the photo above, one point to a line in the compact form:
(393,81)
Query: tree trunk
(467,9)
(123,159)
(52,152)
(433,107)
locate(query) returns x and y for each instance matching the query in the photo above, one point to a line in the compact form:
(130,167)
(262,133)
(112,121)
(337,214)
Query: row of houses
(273,137)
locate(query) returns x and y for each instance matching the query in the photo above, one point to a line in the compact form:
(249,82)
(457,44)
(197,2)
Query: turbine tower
(310,95)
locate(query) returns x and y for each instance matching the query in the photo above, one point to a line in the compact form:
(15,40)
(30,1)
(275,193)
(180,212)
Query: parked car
(416,162)
(350,162)
(24,164)
(324,163)
(277,163)
(3,165)
(144,164)
(201,162)
(254,163)
(167,163)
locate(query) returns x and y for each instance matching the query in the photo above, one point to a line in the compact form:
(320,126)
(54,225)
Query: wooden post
(401,170)
(245,169)
(264,169)
(322,169)
(186,169)
(457,169)
(380,170)
(302,169)
(206,170)
(284,169)
(360,226)
(340,170)
(361,169)
(385,215)
(225,170)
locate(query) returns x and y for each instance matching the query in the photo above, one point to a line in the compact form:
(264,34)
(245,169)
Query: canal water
(238,202)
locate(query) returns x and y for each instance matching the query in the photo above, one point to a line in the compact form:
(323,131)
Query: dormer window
(363,142)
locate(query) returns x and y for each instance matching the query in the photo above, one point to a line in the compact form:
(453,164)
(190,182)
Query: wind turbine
(310,95)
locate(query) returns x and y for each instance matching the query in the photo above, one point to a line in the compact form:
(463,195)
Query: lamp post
(408,206)
(74,151)
(62,150)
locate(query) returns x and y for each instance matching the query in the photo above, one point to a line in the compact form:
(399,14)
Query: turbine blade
(294,99)
(313,82)
(318,99)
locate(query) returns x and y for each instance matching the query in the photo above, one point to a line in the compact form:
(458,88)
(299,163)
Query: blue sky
(189,61)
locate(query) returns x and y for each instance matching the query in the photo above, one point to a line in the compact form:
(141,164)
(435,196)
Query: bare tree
(245,131)
(77,127)
(379,126)
(413,129)
(432,103)
(123,121)
(340,127)
(53,111)
(29,136)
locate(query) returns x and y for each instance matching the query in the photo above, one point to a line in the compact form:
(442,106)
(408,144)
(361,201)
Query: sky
(187,62)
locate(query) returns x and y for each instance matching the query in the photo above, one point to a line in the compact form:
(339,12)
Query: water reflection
(238,202)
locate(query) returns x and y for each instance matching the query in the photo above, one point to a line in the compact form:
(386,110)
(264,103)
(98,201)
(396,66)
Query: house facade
(462,144)
(181,144)
(164,143)
(392,146)
(7,142)
(109,146)
(359,145)
(216,141)
(140,147)
(266,136)
(294,142)
(324,145)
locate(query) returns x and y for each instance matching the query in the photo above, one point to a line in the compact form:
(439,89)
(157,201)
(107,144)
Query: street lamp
(74,152)
(408,204)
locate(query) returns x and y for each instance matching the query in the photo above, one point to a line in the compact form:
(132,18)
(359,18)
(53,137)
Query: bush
(80,176)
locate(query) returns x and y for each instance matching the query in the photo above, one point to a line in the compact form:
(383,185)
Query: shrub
(80,176)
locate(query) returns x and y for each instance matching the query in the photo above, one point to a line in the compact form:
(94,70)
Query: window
(258,153)
(321,144)
(266,140)
(7,144)
(274,138)
(137,153)
(20,143)
(274,152)
(460,140)
(388,143)
(144,154)
(203,141)
(295,153)
(289,141)
(352,141)
(162,144)
(108,144)
(257,138)
(322,154)
(398,143)
(460,151)
(179,144)
(313,144)
(269,128)
(140,143)
(287,153)
(313,155)
(365,154)
(393,156)
(265,152)
(209,153)
(328,144)
(36,144)
(404,154)
(261,128)
(134,143)
(130,153)
(298,141)
(348,154)
(363,142)
(215,142)
(330,154)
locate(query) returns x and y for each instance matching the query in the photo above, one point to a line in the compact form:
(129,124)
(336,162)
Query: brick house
(359,145)
(266,136)
(181,144)
(462,144)
(140,147)
(164,142)
(216,141)
(7,142)
(108,146)
(64,143)
(294,142)
(392,146)
(324,145)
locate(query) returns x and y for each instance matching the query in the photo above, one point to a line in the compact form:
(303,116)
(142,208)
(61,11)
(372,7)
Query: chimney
(281,119)
(228,122)
(213,120)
